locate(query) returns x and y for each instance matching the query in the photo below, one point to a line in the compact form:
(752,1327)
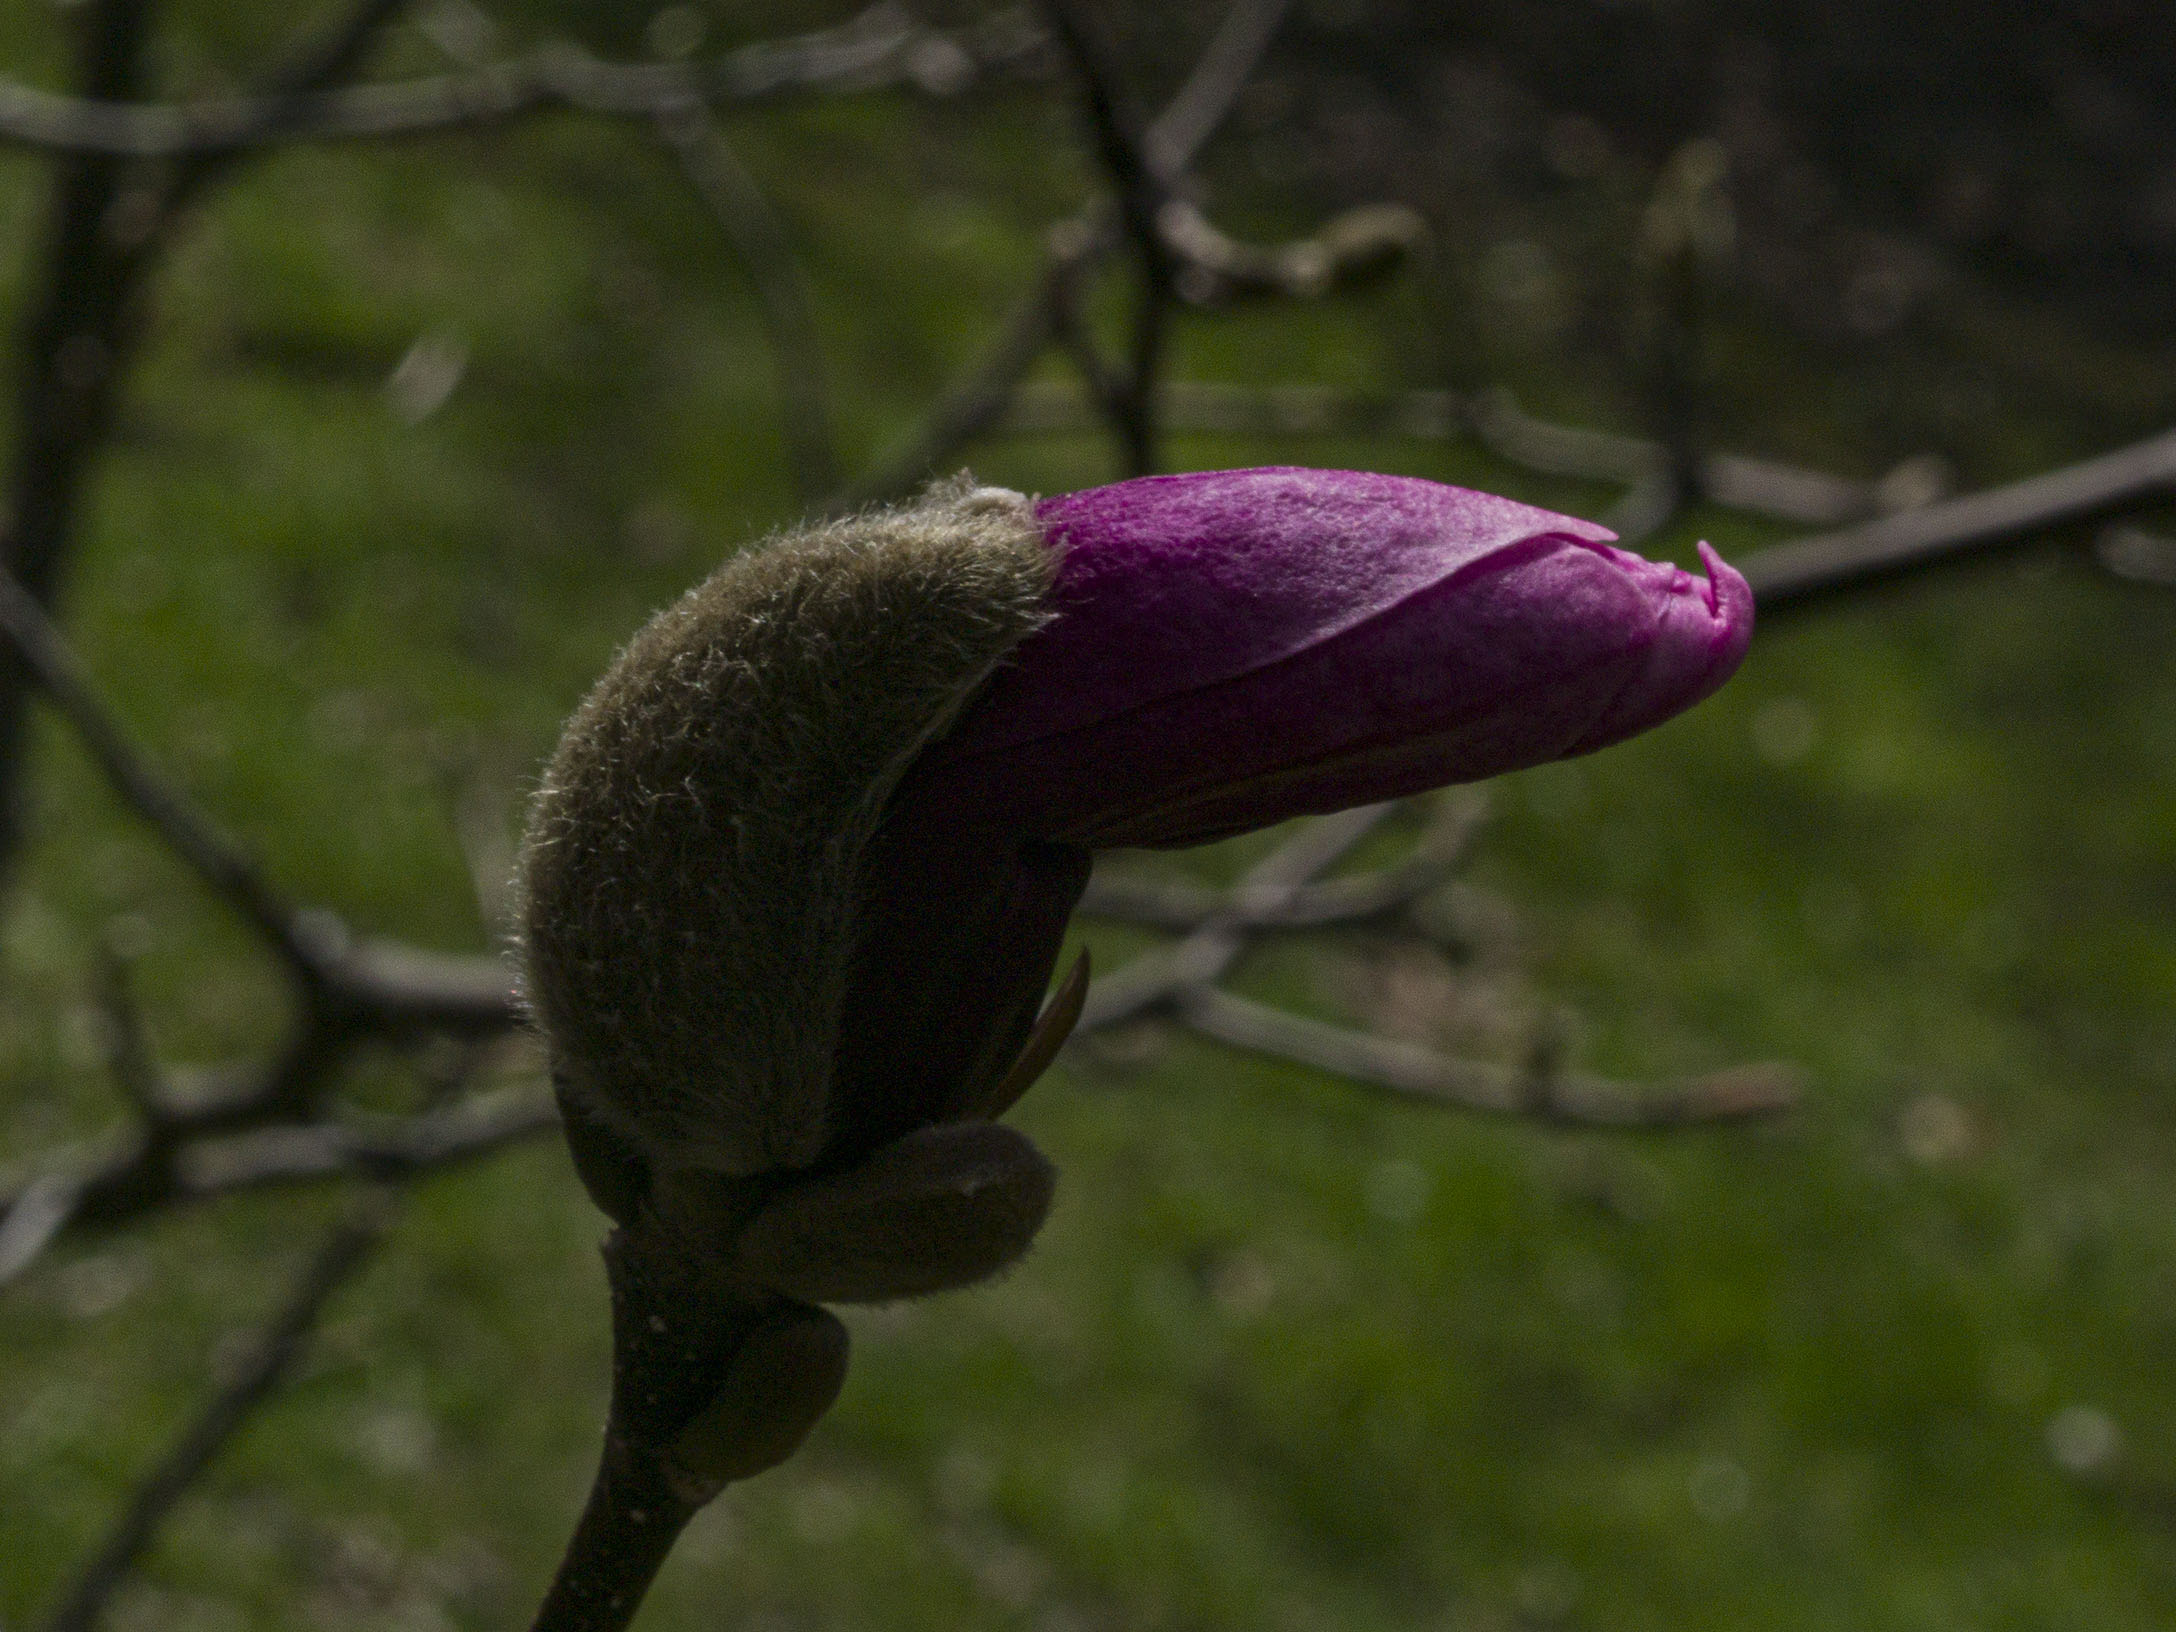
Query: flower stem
(632,1520)
(713,1380)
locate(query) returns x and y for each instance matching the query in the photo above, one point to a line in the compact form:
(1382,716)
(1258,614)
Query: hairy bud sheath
(690,875)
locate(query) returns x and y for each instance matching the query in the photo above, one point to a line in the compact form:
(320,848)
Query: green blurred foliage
(1290,1355)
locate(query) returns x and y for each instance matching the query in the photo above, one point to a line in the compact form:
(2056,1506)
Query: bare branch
(1788,574)
(1141,897)
(275,1156)
(1138,896)
(352,990)
(440,1134)
(478,815)
(1766,487)
(879,48)
(1405,1068)
(1350,248)
(273,1353)
(1736,481)
(1185,126)
(127,1047)
(1042,408)
(1121,137)
(1156,979)
(310,68)
(108,221)
(38,646)
(1649,505)
(34,1216)
(77,331)
(1561,450)
(379,986)
(1284,892)
(390,989)
(230,1145)
(1138,430)
(759,237)
(334,57)
(1178,252)
(2141,556)
(980,397)
(1107,391)
(1143,188)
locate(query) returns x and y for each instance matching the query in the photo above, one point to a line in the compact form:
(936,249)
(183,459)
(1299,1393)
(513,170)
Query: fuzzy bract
(691,878)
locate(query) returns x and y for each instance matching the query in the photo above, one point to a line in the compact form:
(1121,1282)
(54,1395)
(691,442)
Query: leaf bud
(785,1377)
(944,1207)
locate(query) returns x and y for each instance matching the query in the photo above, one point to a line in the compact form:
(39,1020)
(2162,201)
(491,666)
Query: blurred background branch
(882,46)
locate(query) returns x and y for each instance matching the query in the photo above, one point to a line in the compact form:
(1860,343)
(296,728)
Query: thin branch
(2134,553)
(34,1216)
(425,1143)
(1421,1073)
(1214,267)
(352,990)
(77,332)
(1045,408)
(274,1352)
(1767,487)
(109,220)
(759,237)
(1648,506)
(105,233)
(389,989)
(1142,436)
(1104,388)
(1790,574)
(1178,251)
(210,1158)
(1136,896)
(37,644)
(980,396)
(1507,430)
(1143,187)
(1284,892)
(1192,116)
(326,60)
(477,815)
(882,47)
(310,68)
(1156,979)
(400,989)
(1736,481)
(127,1045)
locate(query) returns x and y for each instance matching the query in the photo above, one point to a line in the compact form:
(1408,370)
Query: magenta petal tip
(1701,630)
